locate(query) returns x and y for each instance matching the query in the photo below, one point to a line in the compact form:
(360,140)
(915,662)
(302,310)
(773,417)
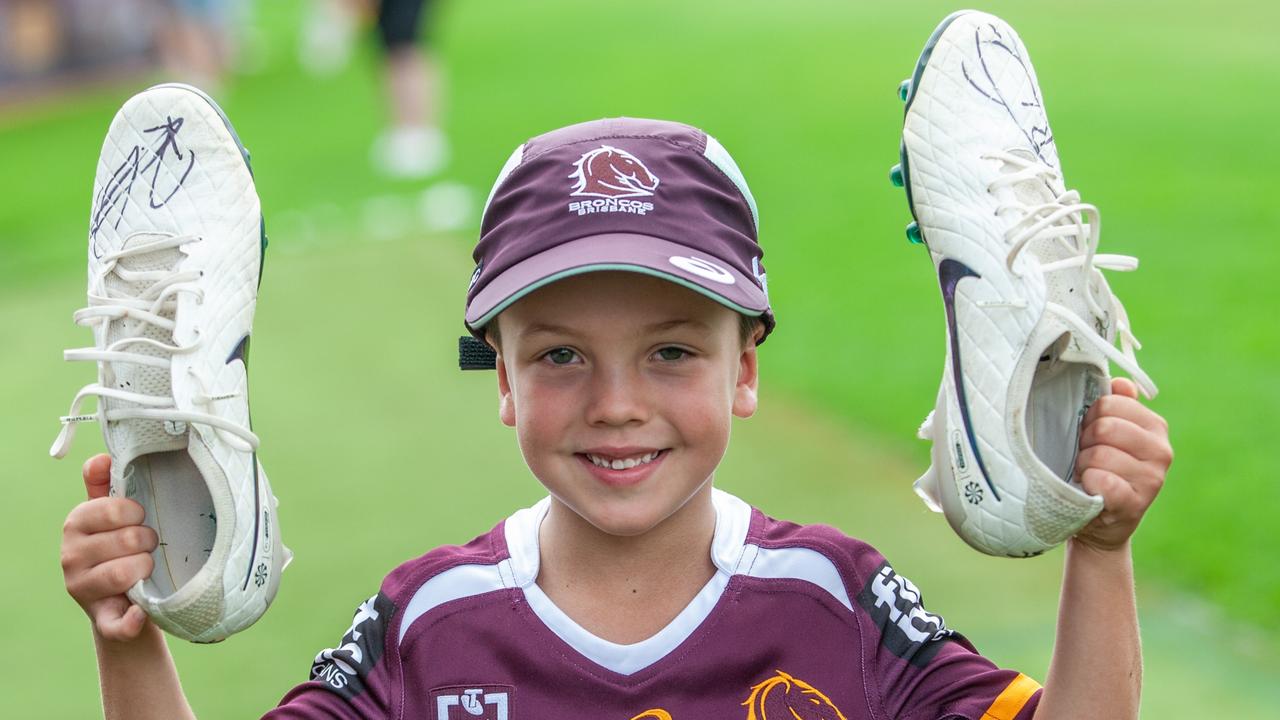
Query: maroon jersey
(798,622)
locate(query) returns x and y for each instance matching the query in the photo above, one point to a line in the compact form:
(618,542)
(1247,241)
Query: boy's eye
(672,353)
(560,356)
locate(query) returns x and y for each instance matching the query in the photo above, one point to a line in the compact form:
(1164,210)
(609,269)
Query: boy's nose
(617,399)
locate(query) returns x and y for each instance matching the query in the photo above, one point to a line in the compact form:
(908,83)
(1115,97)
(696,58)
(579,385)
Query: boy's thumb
(97,476)
(1124,386)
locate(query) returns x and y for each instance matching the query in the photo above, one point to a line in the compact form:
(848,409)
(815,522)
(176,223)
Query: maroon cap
(647,196)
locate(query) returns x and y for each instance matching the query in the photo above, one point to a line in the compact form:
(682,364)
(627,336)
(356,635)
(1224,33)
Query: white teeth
(622,464)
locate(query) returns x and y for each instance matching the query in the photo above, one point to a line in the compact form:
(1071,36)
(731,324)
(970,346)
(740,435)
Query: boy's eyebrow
(536,328)
(672,324)
(553,329)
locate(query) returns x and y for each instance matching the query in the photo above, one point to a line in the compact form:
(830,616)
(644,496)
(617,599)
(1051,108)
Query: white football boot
(1031,323)
(176,243)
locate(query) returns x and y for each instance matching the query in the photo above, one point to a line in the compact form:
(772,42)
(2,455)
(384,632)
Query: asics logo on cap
(608,172)
(702,268)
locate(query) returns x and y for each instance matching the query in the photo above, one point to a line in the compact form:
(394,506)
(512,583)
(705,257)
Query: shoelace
(1063,218)
(147,306)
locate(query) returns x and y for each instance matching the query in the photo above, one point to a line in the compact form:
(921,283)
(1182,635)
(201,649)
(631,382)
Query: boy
(618,279)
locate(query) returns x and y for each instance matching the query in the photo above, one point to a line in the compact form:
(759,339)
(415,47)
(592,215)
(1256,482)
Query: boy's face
(618,368)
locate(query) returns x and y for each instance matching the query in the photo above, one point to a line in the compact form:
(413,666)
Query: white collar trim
(733,517)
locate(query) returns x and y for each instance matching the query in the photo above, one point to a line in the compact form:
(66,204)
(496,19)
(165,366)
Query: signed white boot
(176,243)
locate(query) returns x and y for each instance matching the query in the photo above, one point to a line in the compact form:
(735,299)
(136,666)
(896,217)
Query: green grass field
(380,450)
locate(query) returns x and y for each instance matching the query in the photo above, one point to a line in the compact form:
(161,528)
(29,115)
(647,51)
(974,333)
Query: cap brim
(627,252)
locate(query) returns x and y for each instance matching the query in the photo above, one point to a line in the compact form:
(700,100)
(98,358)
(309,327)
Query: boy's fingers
(112,577)
(90,550)
(102,515)
(97,475)
(1111,459)
(117,619)
(1119,497)
(1128,408)
(1142,479)
(1124,386)
(1124,434)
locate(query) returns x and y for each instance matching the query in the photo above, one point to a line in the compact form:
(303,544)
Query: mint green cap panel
(507,167)
(720,157)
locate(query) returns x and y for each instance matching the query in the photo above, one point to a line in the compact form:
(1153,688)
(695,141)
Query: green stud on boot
(895,175)
(913,234)
(904,88)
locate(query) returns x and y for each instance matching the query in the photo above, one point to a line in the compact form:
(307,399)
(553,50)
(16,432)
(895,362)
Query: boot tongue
(1067,286)
(165,259)
(142,436)
(1035,192)
(1083,353)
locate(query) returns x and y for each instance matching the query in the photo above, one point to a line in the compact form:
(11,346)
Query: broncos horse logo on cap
(608,172)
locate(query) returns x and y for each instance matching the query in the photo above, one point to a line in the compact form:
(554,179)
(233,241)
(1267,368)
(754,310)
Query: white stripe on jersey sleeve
(452,584)
(797,564)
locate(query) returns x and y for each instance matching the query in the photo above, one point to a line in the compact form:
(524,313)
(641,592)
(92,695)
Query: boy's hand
(1124,457)
(105,550)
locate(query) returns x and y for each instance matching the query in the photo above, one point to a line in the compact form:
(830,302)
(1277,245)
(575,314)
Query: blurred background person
(411,146)
(49,48)
(196,40)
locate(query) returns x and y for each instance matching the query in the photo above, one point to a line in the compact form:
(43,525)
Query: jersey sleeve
(363,676)
(358,678)
(923,669)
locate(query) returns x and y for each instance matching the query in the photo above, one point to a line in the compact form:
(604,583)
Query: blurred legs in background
(195,41)
(328,32)
(412,145)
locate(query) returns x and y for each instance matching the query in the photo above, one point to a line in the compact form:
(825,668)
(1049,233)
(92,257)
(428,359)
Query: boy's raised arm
(105,550)
(139,679)
(1096,669)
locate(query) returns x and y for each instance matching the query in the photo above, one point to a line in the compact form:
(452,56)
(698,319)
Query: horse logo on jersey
(783,697)
(608,172)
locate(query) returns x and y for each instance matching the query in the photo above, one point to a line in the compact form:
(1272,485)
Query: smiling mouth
(623,463)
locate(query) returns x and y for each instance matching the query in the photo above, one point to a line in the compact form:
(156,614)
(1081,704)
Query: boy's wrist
(1080,549)
(149,636)
(138,678)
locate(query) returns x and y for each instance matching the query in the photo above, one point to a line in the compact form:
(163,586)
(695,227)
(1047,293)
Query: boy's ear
(745,397)
(506,402)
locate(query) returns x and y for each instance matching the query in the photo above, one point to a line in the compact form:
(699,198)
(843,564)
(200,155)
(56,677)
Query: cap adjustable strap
(475,354)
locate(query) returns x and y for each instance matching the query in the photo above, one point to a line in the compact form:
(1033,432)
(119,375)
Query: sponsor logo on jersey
(611,177)
(478,702)
(345,667)
(906,628)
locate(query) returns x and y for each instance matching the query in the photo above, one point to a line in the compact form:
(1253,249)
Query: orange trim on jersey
(1011,701)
